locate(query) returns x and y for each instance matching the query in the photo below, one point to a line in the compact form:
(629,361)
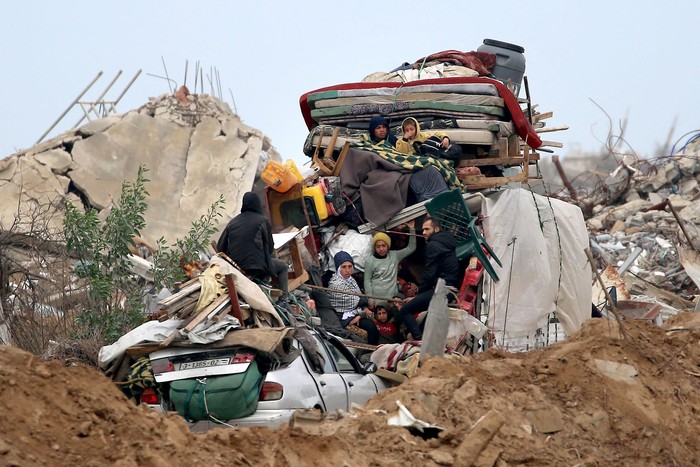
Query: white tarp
(540,242)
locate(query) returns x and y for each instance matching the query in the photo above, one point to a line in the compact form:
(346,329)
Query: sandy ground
(594,399)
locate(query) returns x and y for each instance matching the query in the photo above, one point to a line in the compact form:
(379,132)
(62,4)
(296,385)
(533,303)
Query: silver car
(298,385)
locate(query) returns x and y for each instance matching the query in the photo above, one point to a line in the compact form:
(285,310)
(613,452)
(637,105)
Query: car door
(330,384)
(360,385)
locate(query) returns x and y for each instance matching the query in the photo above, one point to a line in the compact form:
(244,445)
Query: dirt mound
(595,398)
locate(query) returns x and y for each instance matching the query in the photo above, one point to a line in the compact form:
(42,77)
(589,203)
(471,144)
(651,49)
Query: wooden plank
(493,182)
(328,155)
(550,129)
(143,349)
(297,281)
(203,314)
(543,116)
(552,144)
(233,296)
(518,160)
(183,307)
(169,340)
(502,147)
(341,159)
(513,146)
(390,376)
(167,301)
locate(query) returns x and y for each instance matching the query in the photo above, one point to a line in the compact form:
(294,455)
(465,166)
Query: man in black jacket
(247,240)
(440,262)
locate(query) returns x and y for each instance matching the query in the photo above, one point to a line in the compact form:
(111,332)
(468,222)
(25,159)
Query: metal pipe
(564,178)
(680,224)
(128,85)
(99,98)
(166,74)
(630,259)
(75,101)
(613,307)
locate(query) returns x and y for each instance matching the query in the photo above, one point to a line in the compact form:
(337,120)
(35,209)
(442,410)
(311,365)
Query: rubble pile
(594,399)
(650,211)
(194,147)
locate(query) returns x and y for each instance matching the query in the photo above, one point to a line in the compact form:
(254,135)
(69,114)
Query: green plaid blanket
(413,162)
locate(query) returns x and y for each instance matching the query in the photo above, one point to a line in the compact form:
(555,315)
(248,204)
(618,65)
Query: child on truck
(382,266)
(413,135)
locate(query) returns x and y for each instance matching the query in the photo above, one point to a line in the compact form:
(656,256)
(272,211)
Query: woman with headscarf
(351,309)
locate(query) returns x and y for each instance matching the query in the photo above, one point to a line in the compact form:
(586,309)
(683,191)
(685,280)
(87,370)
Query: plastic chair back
(454,216)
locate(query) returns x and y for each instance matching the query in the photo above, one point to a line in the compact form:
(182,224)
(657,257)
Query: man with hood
(379,133)
(247,240)
(440,262)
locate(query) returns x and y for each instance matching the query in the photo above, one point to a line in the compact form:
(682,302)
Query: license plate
(205,363)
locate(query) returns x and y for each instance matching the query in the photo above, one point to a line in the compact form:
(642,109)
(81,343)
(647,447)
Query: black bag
(430,147)
(433,147)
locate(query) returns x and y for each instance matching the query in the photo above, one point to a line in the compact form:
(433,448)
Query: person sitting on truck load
(382,266)
(413,137)
(440,262)
(379,134)
(247,240)
(388,327)
(350,307)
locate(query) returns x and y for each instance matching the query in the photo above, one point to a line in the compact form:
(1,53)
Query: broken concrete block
(545,420)
(58,160)
(98,126)
(617,371)
(478,438)
(618,227)
(595,224)
(441,457)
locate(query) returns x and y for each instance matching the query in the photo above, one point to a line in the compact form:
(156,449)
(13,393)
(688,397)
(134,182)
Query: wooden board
(390,376)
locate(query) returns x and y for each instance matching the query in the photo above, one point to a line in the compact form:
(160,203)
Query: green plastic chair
(454,216)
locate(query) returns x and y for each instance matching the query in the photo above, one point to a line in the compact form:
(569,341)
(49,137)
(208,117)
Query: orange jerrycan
(278,177)
(292,167)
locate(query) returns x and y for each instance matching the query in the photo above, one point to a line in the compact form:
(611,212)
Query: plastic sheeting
(356,244)
(541,243)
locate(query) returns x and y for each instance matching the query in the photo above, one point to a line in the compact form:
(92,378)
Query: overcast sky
(636,62)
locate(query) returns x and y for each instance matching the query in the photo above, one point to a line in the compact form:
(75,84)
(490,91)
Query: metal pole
(166,74)
(609,299)
(564,178)
(184,83)
(75,101)
(680,224)
(99,98)
(114,104)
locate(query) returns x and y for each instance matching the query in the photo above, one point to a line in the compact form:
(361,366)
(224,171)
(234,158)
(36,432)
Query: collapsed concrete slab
(194,146)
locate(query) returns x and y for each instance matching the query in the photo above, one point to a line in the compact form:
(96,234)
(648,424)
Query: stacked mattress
(477,108)
(466,100)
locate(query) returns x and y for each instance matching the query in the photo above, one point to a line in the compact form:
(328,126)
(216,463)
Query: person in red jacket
(388,330)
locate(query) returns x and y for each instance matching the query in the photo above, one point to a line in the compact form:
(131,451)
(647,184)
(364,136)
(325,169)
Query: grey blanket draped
(382,185)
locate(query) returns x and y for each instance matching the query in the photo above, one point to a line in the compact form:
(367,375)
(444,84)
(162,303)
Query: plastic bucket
(278,177)
(510,62)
